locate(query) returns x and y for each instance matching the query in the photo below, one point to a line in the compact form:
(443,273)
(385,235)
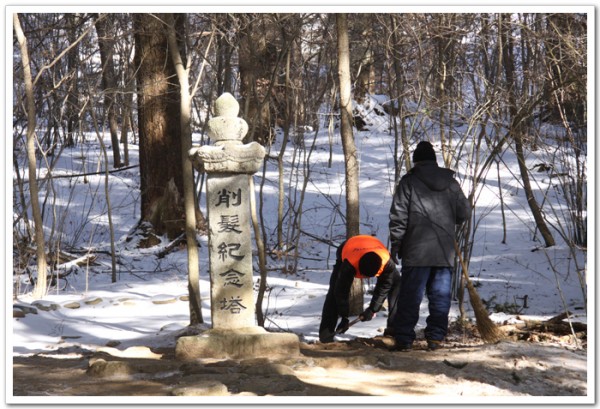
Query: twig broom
(489,332)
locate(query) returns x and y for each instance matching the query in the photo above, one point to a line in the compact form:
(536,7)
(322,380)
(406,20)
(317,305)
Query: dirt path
(363,367)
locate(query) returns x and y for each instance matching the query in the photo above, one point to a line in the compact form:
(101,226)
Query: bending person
(360,256)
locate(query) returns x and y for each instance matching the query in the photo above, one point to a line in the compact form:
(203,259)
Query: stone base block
(239,343)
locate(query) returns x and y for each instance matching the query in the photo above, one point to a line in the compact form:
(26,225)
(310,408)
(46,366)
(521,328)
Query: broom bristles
(489,332)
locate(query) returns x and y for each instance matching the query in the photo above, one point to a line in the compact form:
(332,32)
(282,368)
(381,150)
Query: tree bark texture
(109,83)
(263,43)
(188,173)
(397,65)
(350,155)
(159,113)
(516,130)
(41,284)
(71,111)
(225,51)
(256,59)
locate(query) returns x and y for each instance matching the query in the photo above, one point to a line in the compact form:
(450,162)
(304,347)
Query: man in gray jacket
(427,207)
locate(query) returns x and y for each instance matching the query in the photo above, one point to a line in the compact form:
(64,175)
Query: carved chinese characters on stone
(230,224)
(232,277)
(229,163)
(228,198)
(230,251)
(233,305)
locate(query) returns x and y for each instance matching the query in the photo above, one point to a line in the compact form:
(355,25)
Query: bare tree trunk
(188,175)
(262,260)
(40,288)
(364,80)
(109,83)
(111,229)
(159,111)
(281,155)
(281,194)
(536,211)
(516,130)
(350,155)
(128,103)
(224,53)
(501,197)
(73,97)
(398,84)
(257,59)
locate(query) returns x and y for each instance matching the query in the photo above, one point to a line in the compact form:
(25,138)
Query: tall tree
(397,95)
(566,64)
(71,108)
(257,58)
(40,288)
(264,40)
(225,50)
(188,173)
(109,82)
(517,128)
(349,147)
(364,65)
(159,122)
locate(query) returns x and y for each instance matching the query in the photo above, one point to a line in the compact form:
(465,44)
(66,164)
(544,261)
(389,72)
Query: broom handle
(488,330)
(462,262)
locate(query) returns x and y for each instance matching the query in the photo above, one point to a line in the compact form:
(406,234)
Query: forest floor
(365,367)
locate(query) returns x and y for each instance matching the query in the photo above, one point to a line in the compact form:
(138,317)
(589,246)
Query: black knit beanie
(424,151)
(369,264)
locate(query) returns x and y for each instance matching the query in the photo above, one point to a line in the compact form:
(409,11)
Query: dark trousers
(436,283)
(329,315)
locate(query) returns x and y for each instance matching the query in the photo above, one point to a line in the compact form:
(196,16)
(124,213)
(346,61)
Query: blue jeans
(436,282)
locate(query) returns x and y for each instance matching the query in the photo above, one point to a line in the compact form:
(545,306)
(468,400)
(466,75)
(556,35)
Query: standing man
(360,256)
(427,207)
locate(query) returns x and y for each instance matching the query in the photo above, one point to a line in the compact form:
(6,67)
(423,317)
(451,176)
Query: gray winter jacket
(428,204)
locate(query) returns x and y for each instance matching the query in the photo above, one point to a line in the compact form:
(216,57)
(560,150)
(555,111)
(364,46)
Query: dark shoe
(401,347)
(388,332)
(433,345)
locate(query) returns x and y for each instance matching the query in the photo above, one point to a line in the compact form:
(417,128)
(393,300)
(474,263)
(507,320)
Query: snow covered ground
(146,306)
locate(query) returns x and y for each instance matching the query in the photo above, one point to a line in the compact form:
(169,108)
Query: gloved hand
(367,315)
(395,253)
(342,326)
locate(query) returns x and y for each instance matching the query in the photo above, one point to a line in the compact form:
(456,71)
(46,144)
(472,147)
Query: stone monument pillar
(229,164)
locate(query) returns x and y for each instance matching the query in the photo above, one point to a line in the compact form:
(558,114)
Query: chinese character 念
(232,277)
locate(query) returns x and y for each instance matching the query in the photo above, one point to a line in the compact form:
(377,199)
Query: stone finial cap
(226,105)
(226,126)
(227,154)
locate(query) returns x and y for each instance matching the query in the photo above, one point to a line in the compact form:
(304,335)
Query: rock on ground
(362,367)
